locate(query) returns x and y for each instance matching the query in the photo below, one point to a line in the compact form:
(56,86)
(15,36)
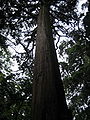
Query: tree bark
(48,93)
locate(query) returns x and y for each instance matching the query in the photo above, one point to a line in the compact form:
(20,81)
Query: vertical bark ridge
(48,92)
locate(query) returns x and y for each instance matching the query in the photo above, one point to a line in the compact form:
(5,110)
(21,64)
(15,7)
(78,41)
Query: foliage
(76,70)
(15,91)
(18,27)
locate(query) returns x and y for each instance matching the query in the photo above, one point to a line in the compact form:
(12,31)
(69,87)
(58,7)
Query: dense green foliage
(15,91)
(18,26)
(76,69)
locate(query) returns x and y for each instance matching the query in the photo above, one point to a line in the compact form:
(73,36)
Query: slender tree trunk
(48,93)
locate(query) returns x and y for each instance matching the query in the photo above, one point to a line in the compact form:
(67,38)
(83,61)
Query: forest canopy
(71,34)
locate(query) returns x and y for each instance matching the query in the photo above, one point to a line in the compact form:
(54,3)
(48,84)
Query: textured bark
(48,92)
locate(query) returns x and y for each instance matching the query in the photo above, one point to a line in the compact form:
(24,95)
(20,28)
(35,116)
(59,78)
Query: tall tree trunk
(48,93)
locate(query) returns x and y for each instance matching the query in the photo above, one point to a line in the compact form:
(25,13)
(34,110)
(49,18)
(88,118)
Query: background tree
(76,69)
(15,91)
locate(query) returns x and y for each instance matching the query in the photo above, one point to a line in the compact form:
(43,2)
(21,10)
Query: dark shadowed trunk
(48,92)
